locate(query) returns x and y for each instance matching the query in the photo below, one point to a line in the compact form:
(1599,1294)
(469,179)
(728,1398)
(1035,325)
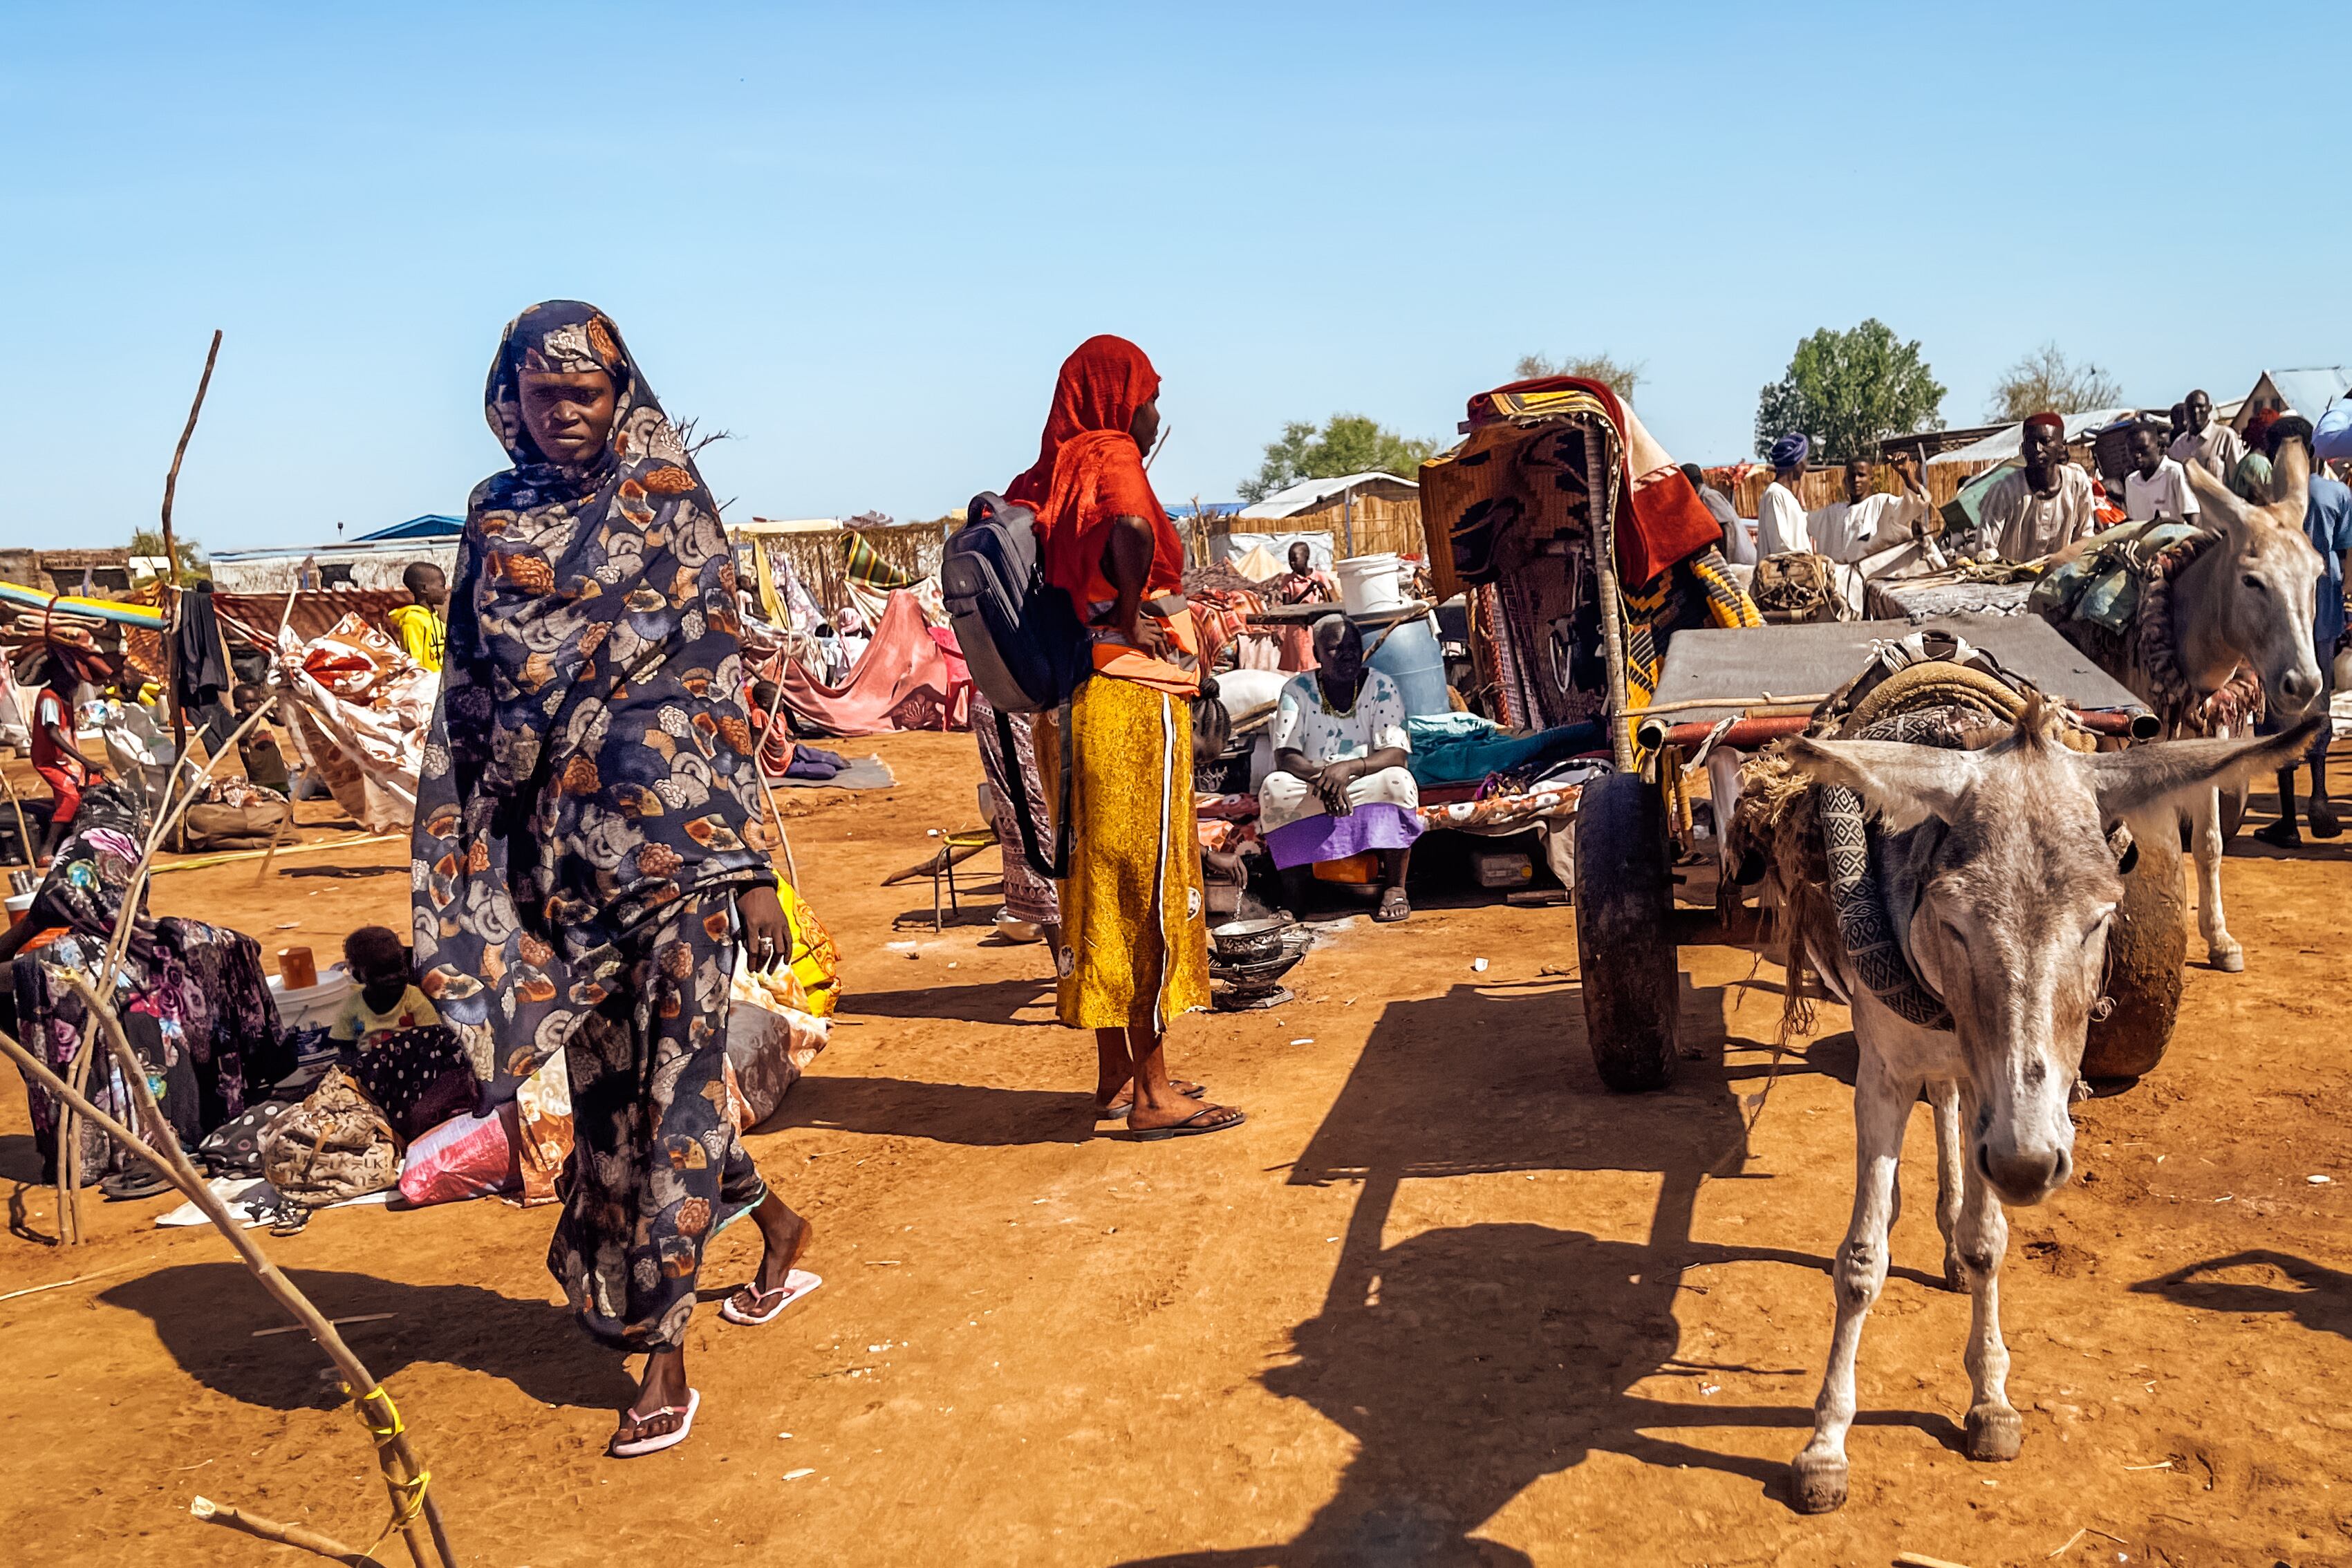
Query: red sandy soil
(1442,1300)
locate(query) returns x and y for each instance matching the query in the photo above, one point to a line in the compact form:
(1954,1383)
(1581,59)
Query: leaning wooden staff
(415,1513)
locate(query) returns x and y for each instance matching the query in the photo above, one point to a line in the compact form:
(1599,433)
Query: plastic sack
(466,1157)
(542,1108)
(770,1040)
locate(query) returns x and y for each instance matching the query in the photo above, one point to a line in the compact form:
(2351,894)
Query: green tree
(1346,444)
(1848,391)
(1621,378)
(191,554)
(2045,379)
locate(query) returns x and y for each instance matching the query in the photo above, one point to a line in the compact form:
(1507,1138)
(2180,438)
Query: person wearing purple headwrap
(1780,523)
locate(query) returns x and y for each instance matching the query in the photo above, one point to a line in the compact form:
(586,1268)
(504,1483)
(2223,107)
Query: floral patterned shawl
(590,762)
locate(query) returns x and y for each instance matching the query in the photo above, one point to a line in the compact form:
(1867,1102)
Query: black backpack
(1023,641)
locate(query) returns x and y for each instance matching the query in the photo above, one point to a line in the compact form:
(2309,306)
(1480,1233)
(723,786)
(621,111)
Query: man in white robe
(1782,525)
(2041,508)
(1863,523)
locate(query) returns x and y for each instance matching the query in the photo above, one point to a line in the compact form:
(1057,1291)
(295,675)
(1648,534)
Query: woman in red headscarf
(1132,949)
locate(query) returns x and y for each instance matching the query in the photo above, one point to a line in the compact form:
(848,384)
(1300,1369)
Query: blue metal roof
(432,525)
(2310,391)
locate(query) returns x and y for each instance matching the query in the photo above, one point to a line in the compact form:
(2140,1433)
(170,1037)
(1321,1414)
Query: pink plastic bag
(467,1156)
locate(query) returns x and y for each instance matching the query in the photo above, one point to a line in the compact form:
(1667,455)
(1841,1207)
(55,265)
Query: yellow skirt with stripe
(1135,941)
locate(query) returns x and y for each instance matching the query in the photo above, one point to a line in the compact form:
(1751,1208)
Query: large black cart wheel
(2146,948)
(1625,946)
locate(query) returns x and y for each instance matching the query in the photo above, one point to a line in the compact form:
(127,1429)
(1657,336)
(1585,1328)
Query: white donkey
(2246,599)
(1998,884)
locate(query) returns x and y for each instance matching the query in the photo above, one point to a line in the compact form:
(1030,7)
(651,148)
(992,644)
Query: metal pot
(1245,942)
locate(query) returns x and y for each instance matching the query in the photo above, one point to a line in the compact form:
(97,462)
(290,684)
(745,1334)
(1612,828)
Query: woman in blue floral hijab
(588,852)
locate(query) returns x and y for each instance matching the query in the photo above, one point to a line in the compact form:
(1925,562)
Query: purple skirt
(1312,839)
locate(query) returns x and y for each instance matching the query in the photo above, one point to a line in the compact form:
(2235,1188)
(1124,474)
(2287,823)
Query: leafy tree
(2044,379)
(1848,390)
(191,554)
(1621,378)
(1346,444)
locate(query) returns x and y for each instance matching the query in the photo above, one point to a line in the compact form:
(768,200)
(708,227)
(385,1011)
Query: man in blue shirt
(2327,520)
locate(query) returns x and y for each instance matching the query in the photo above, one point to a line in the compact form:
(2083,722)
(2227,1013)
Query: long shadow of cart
(1470,1361)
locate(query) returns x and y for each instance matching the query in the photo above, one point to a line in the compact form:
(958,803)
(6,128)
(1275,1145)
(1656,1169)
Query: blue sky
(862,237)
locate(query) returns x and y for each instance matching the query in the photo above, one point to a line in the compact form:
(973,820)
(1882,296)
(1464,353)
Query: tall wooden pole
(170,604)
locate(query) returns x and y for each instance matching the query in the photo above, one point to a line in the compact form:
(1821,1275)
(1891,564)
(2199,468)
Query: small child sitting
(392,1041)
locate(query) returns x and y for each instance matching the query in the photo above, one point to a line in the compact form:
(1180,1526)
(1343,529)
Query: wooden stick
(228,856)
(134,892)
(172,1162)
(326,1546)
(61,1284)
(24,834)
(171,561)
(408,1493)
(1741,704)
(759,766)
(285,825)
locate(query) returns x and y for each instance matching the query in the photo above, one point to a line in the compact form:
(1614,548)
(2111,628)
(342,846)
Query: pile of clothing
(195,1004)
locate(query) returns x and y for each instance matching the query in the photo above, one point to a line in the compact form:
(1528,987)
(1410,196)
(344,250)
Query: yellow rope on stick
(387,1432)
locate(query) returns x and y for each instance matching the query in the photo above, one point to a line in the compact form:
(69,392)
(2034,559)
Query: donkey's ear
(2169,772)
(1905,784)
(2290,483)
(2218,508)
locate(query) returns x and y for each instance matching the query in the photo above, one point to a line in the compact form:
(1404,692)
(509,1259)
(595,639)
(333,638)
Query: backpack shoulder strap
(1059,866)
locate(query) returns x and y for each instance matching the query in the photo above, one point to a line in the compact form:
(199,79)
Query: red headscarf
(1100,388)
(1089,471)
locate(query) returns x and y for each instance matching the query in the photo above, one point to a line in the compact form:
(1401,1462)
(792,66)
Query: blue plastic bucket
(1412,658)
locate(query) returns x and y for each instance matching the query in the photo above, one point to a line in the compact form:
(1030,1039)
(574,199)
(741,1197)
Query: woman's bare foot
(787,1235)
(659,1407)
(1123,1098)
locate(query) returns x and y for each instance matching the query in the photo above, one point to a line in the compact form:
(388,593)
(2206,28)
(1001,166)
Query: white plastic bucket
(1370,583)
(319,1004)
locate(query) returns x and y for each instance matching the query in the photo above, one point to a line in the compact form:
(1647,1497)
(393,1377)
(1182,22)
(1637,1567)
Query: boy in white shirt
(2158,486)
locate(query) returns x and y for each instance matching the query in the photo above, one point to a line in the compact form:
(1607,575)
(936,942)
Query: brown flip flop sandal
(1192,1126)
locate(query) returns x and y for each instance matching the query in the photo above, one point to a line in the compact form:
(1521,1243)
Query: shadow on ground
(2319,1298)
(975,1115)
(991,1001)
(1468,1362)
(205,1314)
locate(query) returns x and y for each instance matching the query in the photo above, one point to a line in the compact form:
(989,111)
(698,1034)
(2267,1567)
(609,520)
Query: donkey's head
(2263,586)
(2014,896)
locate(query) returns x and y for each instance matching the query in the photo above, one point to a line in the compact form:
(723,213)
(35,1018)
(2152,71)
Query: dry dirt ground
(1442,1300)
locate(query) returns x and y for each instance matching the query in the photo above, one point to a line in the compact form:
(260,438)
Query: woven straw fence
(1375,525)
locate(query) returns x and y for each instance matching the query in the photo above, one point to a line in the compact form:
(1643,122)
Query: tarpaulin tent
(910,676)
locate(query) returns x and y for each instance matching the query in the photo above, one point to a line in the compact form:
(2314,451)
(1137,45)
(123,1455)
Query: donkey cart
(1597,601)
(1725,693)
